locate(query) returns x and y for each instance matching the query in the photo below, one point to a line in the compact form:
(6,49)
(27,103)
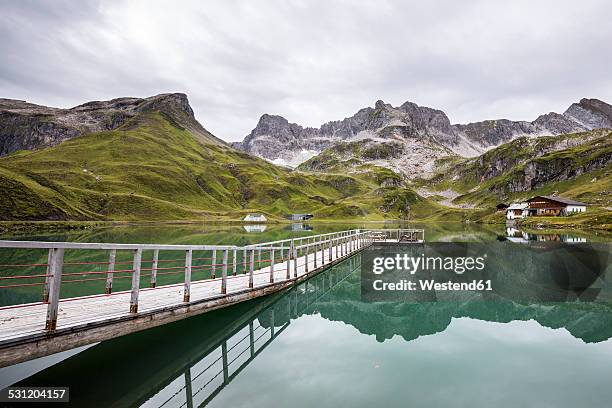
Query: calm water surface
(321,344)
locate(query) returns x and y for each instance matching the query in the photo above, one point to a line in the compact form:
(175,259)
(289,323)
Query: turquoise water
(321,344)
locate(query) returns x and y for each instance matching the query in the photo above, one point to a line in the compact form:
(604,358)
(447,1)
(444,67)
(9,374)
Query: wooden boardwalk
(26,331)
(75,312)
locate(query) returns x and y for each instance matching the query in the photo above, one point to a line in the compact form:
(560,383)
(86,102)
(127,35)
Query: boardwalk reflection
(208,374)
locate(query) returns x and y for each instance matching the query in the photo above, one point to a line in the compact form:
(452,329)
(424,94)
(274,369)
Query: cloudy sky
(310,61)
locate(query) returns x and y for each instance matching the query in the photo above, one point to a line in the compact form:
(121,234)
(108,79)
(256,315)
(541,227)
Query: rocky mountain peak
(590,113)
(380,105)
(29,126)
(421,128)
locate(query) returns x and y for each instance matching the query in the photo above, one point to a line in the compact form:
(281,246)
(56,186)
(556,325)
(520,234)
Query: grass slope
(153,168)
(531,166)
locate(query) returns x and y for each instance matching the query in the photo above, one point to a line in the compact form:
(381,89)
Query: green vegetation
(153,169)
(346,155)
(575,166)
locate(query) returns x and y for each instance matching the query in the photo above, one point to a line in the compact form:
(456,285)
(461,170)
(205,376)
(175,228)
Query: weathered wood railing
(197,263)
(398,235)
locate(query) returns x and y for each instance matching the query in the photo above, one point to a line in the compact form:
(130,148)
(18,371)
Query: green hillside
(153,168)
(575,166)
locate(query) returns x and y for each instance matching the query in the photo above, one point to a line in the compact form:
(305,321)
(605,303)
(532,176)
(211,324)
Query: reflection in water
(514,234)
(255,228)
(207,376)
(320,344)
(299,226)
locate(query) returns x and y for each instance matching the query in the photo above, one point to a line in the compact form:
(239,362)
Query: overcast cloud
(310,61)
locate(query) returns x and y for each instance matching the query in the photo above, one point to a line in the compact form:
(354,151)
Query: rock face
(420,128)
(26,126)
(590,113)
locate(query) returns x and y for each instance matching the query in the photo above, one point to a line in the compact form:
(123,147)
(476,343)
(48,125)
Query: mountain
(158,163)
(417,135)
(576,165)
(26,126)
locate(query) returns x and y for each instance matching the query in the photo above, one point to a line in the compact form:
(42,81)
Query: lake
(540,338)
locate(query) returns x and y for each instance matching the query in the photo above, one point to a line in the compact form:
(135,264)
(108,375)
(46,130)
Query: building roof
(256,216)
(560,200)
(517,206)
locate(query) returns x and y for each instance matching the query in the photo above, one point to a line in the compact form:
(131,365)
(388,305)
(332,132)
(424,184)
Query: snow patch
(295,160)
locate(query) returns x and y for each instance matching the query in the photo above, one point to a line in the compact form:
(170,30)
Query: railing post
(235,260)
(295,262)
(306,257)
(288,264)
(244,261)
(111,271)
(135,280)
(251,268)
(187,289)
(224,362)
(252,339)
(289,256)
(188,388)
(336,245)
(329,248)
(259,258)
(224,271)
(271,264)
(316,250)
(154,268)
(57,263)
(213,273)
(45,295)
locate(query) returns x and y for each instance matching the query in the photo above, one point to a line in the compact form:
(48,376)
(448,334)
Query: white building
(515,211)
(255,218)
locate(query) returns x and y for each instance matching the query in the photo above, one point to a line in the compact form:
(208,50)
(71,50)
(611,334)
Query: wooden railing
(109,263)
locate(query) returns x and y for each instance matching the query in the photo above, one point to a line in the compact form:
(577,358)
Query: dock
(230,274)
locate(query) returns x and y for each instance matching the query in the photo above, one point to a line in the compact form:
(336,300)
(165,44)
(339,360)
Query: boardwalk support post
(135,281)
(187,291)
(56,265)
(111,271)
